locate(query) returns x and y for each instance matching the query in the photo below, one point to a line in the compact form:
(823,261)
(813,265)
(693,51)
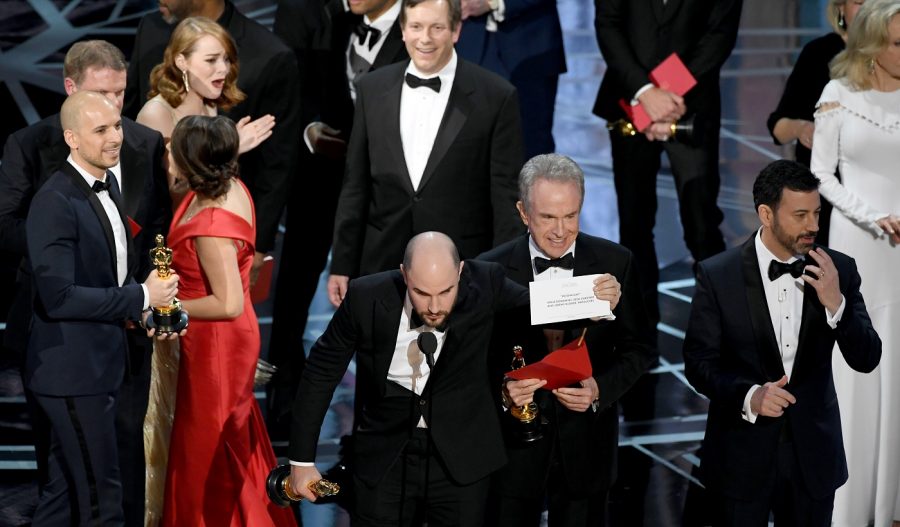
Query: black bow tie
(363,30)
(100,186)
(414,82)
(777,268)
(567,261)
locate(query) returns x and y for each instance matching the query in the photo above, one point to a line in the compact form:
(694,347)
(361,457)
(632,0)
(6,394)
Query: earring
(871,66)
(841,23)
(187,85)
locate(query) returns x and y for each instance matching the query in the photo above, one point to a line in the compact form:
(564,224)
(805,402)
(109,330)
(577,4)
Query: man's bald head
(433,247)
(77,104)
(431,269)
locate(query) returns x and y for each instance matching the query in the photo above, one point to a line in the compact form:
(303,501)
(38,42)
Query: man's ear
(403,272)
(461,264)
(70,86)
(70,138)
(521,208)
(766,214)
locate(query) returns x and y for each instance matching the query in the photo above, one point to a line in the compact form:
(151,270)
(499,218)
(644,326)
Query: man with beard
(763,324)
(427,435)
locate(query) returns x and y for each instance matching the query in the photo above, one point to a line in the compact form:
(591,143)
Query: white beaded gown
(861,137)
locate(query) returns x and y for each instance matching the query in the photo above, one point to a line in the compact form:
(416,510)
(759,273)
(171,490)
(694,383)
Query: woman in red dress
(220,453)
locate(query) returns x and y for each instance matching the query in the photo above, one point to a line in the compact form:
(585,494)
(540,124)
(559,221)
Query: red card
(673,75)
(563,367)
(260,291)
(636,114)
(134,226)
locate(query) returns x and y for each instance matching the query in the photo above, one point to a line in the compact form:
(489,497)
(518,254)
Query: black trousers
(83,486)
(786,497)
(537,102)
(636,163)
(417,489)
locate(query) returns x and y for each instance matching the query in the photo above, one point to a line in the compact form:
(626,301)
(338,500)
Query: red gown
(220,453)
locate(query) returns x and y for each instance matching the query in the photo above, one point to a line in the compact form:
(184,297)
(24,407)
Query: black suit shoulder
(138,132)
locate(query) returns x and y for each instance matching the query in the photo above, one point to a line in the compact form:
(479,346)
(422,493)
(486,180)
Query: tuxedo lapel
(763,332)
(132,181)
(131,262)
(385,110)
(586,260)
(519,268)
(670,8)
(94,201)
(658,8)
(458,109)
(813,311)
(393,44)
(386,320)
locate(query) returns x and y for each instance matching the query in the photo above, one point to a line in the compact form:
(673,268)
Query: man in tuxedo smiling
(436,145)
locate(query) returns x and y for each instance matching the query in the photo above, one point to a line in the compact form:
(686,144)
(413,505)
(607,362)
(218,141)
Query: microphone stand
(427,343)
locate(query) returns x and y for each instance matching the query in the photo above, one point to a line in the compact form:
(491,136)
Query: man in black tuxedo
(759,343)
(268,75)
(334,47)
(436,145)
(82,259)
(574,465)
(30,156)
(634,37)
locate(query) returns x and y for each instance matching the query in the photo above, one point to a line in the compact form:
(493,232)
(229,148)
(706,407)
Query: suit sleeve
(292,25)
(353,204)
(635,348)
(714,47)
(52,247)
(610,26)
(857,339)
(134,99)
(506,161)
(703,349)
(273,164)
(159,205)
(16,190)
(325,367)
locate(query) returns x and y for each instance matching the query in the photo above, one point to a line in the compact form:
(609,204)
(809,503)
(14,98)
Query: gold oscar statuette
(278,487)
(527,420)
(168,318)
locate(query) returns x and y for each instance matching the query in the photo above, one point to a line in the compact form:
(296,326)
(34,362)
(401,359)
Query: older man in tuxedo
(764,321)
(436,145)
(574,465)
(83,263)
(30,156)
(335,44)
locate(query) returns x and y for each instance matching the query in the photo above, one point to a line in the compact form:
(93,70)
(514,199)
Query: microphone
(428,344)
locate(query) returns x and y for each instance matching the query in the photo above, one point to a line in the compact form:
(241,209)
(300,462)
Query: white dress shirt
(784,297)
(553,273)
(112,212)
(421,112)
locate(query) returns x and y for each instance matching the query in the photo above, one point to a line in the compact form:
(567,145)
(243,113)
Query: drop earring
(871,65)
(841,22)
(187,85)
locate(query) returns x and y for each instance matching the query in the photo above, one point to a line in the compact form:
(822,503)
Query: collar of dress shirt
(447,73)
(88,178)
(536,251)
(386,20)
(765,256)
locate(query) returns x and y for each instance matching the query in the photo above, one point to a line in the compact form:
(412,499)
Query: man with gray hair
(30,156)
(573,466)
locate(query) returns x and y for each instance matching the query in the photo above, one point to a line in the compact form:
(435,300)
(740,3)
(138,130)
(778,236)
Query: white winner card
(567,299)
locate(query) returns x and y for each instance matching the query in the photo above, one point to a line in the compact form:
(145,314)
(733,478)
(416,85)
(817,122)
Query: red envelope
(637,115)
(673,75)
(134,226)
(260,291)
(563,367)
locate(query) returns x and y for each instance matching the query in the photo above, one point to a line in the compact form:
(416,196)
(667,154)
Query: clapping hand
(891,225)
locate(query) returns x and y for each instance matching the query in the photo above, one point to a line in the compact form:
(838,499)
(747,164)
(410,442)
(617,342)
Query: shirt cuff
(306,137)
(146,305)
(834,319)
(645,87)
(496,16)
(301,464)
(747,413)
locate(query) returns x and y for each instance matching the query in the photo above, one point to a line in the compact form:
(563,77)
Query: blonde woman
(858,132)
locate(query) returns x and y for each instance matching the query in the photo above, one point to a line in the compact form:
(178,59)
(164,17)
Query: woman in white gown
(858,132)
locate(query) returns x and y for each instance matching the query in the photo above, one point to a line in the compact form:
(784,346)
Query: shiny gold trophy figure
(170,318)
(684,131)
(278,487)
(527,419)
